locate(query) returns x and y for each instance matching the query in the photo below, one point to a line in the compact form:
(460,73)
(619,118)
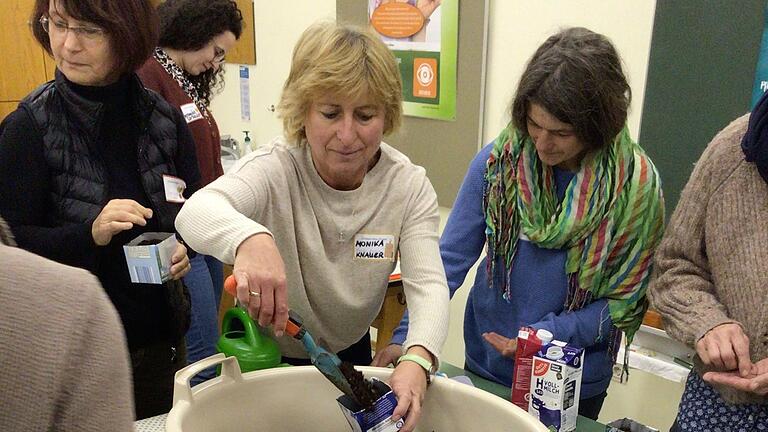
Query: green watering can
(252,349)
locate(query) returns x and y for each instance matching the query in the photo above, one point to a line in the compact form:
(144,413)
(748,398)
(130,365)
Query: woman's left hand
(180,265)
(506,346)
(756,381)
(409,382)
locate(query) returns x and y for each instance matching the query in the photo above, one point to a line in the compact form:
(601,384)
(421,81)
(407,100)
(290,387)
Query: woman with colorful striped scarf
(569,210)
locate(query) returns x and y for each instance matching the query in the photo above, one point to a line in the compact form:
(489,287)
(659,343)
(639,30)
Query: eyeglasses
(55,27)
(219,55)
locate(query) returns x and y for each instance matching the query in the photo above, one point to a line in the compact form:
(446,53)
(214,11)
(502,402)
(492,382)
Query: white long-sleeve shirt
(339,247)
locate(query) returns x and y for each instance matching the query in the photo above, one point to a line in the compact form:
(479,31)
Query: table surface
(157,424)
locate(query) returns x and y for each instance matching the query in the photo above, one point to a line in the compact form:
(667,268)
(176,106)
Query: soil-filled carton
(378,418)
(556,385)
(529,341)
(149,257)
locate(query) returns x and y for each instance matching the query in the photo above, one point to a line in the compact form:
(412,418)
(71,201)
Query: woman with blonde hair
(316,220)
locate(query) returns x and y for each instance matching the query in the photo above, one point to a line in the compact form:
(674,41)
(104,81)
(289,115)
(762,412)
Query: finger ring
(254,293)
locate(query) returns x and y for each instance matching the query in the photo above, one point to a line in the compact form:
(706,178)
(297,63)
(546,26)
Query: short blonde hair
(343,61)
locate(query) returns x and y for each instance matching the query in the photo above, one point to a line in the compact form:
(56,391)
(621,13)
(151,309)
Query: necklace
(342,236)
(178,74)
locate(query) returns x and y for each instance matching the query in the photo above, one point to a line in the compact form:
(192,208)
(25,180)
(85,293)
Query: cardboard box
(556,385)
(149,257)
(375,419)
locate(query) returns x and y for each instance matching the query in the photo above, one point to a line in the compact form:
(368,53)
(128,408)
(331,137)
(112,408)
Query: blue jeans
(205,283)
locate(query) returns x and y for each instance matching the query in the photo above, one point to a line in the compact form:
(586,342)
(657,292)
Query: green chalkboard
(700,74)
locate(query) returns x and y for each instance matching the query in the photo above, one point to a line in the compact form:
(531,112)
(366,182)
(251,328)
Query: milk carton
(529,342)
(378,418)
(149,257)
(556,385)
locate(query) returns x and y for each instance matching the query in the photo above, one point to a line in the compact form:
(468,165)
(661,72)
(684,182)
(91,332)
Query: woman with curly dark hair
(185,69)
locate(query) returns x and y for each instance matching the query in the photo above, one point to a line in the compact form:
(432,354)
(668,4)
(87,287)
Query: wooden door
(22,62)
(244,51)
(7,108)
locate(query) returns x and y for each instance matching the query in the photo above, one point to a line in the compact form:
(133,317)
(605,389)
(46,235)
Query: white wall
(278,26)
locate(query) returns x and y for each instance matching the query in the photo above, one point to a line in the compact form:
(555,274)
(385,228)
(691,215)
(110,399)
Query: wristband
(421,361)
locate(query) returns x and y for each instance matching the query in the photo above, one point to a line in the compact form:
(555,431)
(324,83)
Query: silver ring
(254,293)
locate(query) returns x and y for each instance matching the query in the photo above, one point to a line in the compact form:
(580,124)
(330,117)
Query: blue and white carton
(378,418)
(556,385)
(150,263)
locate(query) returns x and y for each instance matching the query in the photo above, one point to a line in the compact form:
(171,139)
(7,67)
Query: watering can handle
(293,326)
(182,391)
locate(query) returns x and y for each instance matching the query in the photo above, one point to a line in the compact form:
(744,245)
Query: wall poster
(422,35)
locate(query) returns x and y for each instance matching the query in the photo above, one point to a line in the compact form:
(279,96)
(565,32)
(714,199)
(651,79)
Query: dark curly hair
(576,75)
(189,25)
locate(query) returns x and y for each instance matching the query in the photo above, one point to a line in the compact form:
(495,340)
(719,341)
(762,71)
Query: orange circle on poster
(397,20)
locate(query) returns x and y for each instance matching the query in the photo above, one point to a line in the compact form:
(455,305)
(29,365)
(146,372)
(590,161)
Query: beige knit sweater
(63,354)
(712,265)
(327,238)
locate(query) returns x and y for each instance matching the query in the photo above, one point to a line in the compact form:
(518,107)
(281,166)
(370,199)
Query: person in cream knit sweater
(316,221)
(711,281)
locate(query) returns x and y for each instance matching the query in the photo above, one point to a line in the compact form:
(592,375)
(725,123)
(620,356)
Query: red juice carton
(529,341)
(378,418)
(556,385)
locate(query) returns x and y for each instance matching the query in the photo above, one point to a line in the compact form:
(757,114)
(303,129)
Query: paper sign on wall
(245,94)
(423,36)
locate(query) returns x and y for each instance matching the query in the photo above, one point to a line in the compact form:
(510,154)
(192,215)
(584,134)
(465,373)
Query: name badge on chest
(375,247)
(174,188)
(191,113)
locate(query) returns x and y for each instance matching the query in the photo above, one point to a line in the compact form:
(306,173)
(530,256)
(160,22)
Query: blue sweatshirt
(538,288)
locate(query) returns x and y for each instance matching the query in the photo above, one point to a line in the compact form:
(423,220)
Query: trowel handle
(293,326)
(230,286)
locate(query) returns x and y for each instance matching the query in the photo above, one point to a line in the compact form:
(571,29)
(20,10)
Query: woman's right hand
(725,348)
(504,345)
(261,283)
(118,215)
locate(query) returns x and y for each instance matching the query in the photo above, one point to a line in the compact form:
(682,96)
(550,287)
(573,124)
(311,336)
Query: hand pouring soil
(342,374)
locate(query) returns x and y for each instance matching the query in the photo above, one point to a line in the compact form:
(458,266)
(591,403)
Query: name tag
(191,113)
(375,247)
(174,189)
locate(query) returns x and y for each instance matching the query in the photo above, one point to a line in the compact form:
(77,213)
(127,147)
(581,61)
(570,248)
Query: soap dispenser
(246,148)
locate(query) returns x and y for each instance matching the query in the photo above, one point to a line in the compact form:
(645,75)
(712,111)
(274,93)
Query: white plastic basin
(297,399)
